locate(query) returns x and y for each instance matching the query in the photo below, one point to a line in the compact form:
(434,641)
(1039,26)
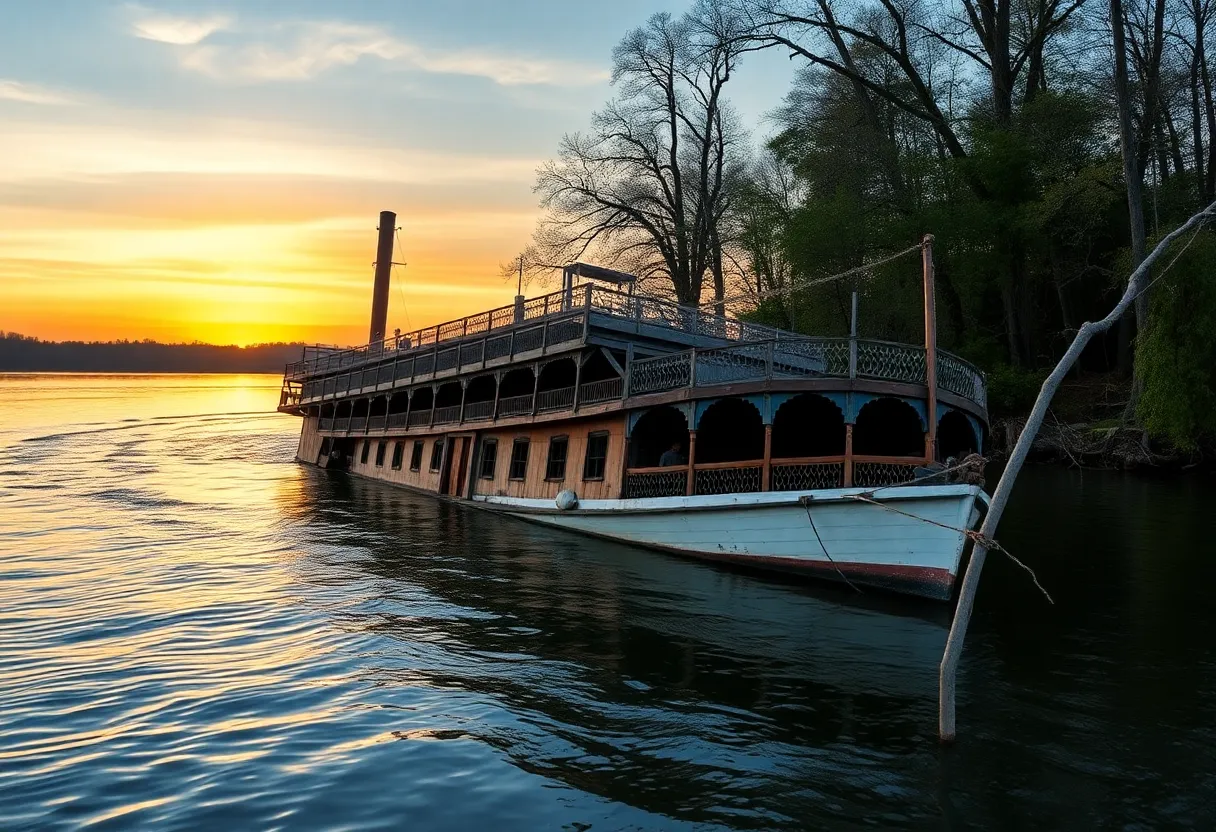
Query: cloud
(299,51)
(31,94)
(179,31)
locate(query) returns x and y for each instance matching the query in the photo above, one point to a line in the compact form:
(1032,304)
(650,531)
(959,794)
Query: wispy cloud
(32,94)
(179,31)
(304,50)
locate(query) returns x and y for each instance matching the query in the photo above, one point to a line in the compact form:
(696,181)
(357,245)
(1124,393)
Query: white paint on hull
(773,529)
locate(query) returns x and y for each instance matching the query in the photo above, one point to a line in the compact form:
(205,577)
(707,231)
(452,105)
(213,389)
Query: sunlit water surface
(197,632)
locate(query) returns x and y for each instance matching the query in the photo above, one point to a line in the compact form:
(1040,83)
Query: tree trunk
(1132,175)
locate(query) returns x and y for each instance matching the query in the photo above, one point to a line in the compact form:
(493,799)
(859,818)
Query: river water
(197,632)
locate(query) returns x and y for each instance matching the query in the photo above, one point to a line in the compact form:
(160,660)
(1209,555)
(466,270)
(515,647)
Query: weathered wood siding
(535,484)
(423,478)
(310,441)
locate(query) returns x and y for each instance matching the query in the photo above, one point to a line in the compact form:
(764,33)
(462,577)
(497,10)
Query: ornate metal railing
(806,476)
(874,474)
(727,478)
(668,482)
(419,418)
(803,358)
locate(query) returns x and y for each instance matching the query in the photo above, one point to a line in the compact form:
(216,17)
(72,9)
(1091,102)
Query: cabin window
(555,466)
(489,458)
(436,454)
(416,456)
(398,453)
(367,446)
(519,459)
(597,456)
(380,454)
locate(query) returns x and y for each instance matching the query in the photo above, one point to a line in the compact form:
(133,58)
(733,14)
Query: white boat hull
(912,542)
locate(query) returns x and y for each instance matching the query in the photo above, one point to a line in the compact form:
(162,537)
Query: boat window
(597,456)
(380,454)
(416,456)
(436,454)
(555,467)
(519,459)
(398,453)
(489,458)
(367,446)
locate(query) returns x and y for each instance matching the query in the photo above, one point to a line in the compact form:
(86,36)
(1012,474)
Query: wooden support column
(497,393)
(578,377)
(535,385)
(766,477)
(848,456)
(690,485)
(930,350)
(464,394)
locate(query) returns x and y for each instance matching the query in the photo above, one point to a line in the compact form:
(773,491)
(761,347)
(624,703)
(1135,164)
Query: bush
(1012,391)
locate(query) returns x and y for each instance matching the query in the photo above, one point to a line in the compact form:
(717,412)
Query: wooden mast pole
(930,350)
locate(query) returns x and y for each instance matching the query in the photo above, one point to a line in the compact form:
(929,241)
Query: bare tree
(647,188)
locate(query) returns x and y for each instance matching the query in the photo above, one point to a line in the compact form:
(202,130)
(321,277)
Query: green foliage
(1177,353)
(1012,390)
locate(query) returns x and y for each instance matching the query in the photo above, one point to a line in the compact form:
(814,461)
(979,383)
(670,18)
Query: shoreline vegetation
(25,354)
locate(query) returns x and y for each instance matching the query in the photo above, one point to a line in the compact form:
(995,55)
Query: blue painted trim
(841,400)
(757,401)
(635,415)
(860,400)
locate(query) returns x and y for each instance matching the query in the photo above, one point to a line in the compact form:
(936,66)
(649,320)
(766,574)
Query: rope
(974,535)
(758,296)
(806,503)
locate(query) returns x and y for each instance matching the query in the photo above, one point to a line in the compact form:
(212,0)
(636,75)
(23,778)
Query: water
(196,632)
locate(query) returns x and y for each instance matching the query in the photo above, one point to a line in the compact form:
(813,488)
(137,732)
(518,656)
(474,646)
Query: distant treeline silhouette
(22,353)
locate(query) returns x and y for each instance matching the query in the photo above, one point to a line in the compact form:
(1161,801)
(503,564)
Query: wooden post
(578,377)
(497,394)
(535,386)
(971,580)
(766,474)
(464,394)
(848,456)
(692,461)
(930,350)
(853,336)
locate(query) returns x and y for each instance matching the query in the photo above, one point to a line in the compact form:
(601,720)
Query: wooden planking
(424,478)
(309,448)
(534,485)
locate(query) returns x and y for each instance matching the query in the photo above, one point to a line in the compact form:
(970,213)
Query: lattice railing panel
(892,362)
(745,362)
(806,477)
(529,339)
(727,480)
(655,484)
(873,474)
(664,372)
(447,359)
(498,347)
(570,329)
(471,353)
(957,376)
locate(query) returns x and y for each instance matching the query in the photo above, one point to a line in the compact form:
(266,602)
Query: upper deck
(667,347)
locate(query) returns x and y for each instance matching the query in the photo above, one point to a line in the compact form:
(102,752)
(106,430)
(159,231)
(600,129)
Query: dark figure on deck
(672,456)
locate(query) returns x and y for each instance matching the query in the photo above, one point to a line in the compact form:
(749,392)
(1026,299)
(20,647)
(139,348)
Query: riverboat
(610,413)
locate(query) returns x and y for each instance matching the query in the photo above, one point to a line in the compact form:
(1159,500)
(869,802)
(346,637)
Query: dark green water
(196,632)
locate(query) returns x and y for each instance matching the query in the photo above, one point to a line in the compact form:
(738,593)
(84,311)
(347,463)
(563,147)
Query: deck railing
(790,474)
(515,405)
(803,358)
(474,411)
(600,391)
(559,399)
(586,298)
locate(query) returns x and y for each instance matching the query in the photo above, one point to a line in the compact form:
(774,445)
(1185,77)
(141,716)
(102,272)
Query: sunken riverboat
(614,414)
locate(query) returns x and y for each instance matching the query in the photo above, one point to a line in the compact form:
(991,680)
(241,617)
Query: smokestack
(384,266)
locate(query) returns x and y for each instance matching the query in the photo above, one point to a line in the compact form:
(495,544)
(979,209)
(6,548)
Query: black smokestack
(384,266)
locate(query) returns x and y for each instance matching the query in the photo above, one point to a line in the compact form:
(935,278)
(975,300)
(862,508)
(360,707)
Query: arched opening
(422,399)
(479,398)
(344,409)
(327,411)
(378,406)
(656,431)
(731,430)
(599,381)
(808,425)
(555,386)
(398,403)
(888,427)
(515,392)
(955,438)
(448,395)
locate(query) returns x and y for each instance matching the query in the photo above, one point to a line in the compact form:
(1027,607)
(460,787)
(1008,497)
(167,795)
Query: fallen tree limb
(958,629)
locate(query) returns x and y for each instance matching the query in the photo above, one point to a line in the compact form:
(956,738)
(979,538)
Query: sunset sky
(214,171)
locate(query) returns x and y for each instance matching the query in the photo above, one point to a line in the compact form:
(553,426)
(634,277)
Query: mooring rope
(806,503)
(806,284)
